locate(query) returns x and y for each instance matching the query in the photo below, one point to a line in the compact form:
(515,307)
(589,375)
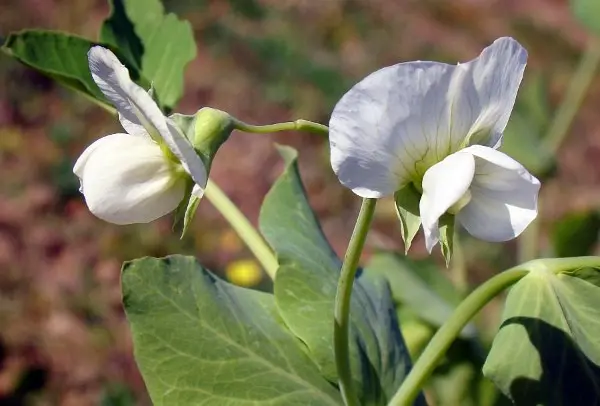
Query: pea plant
(332,332)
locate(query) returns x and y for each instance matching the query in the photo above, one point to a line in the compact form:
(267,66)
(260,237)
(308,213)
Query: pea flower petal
(400,120)
(127,180)
(496,196)
(112,77)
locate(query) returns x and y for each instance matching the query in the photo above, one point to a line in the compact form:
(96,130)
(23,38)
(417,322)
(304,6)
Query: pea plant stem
(341,326)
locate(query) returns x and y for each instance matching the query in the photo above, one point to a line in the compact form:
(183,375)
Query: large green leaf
(58,55)
(547,351)
(305,288)
(421,286)
(200,340)
(158,44)
(588,13)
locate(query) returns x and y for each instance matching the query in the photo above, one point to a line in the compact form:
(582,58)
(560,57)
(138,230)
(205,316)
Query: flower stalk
(341,327)
(247,233)
(297,125)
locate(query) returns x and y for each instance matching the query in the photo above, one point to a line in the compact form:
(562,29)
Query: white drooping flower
(437,126)
(139,176)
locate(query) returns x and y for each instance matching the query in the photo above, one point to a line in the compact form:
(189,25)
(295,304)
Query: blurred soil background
(63,336)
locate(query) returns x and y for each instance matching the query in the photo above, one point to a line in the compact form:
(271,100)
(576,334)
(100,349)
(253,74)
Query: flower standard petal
(503,196)
(444,184)
(187,155)
(376,131)
(112,77)
(127,180)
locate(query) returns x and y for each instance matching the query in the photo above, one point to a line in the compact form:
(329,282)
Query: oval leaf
(547,351)
(200,340)
(61,56)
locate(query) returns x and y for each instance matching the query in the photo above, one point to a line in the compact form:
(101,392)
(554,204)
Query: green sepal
(184,213)
(447,236)
(407,209)
(206,130)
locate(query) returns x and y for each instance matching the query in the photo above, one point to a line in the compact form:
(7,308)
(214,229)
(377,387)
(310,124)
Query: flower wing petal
(127,180)
(503,196)
(112,77)
(443,186)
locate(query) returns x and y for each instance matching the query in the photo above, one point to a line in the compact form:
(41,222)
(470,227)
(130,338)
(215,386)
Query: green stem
(469,307)
(243,227)
(298,125)
(574,96)
(341,326)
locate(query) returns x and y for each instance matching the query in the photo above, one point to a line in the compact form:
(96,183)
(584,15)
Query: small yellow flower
(244,272)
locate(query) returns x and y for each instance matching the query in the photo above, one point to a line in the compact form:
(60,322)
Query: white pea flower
(139,176)
(437,126)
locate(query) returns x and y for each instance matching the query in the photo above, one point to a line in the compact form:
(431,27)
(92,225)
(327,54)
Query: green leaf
(547,350)
(200,340)
(158,44)
(61,56)
(447,236)
(587,12)
(305,287)
(576,234)
(407,208)
(421,286)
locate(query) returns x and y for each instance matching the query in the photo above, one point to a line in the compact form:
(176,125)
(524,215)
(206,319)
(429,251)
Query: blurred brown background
(63,335)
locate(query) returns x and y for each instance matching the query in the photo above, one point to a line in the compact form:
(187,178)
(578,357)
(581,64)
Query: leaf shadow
(568,377)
